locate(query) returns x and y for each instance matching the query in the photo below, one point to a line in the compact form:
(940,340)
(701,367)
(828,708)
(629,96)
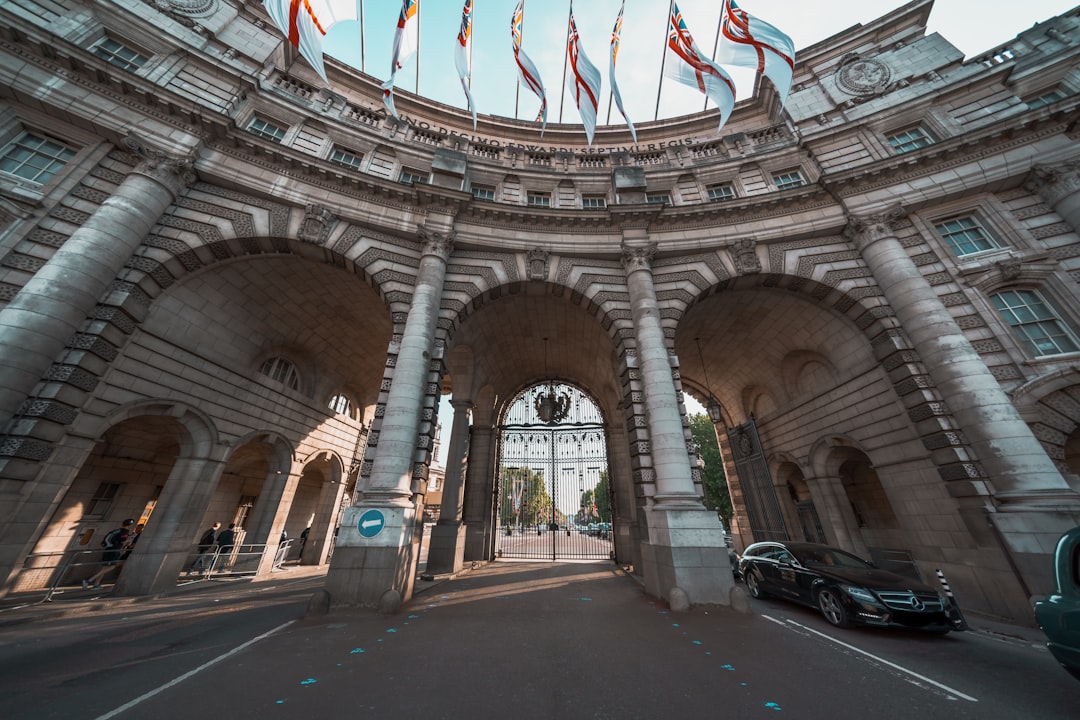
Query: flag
(526,69)
(749,42)
(461,56)
(615,33)
(693,68)
(305,22)
(583,81)
(405,41)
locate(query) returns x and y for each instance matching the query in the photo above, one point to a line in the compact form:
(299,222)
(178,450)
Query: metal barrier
(234,563)
(53,574)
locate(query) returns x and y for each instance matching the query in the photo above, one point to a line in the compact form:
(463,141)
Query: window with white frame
(266,130)
(910,139)
(965,236)
(658,198)
(483,192)
(536,198)
(281,370)
(411,175)
(593,202)
(720,192)
(103,499)
(346,158)
(1045,99)
(120,55)
(35,158)
(788,180)
(341,405)
(1035,323)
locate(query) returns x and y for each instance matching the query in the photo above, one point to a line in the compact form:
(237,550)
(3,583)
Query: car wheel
(753,586)
(832,609)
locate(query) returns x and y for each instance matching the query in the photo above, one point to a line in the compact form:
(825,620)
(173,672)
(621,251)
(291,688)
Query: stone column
(683,555)
(55,302)
(373,559)
(1059,185)
(479,511)
(446,554)
(1018,465)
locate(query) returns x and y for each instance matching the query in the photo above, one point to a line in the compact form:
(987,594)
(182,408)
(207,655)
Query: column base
(376,552)
(684,549)
(446,551)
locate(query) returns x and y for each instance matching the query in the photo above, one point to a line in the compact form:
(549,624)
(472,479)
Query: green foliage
(601,497)
(714,479)
(533,502)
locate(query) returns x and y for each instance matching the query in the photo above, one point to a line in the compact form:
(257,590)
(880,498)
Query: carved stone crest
(744,256)
(863,76)
(317,225)
(538,264)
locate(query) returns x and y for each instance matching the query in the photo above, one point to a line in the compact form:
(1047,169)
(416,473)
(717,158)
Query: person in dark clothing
(206,548)
(227,539)
(115,543)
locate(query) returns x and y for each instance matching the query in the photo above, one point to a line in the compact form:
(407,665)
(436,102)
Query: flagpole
(472,20)
(716,46)
(611,91)
(565,60)
(517,88)
(663,59)
(363,62)
(417,85)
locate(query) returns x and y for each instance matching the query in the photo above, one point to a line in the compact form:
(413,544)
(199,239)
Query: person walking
(226,541)
(115,542)
(206,548)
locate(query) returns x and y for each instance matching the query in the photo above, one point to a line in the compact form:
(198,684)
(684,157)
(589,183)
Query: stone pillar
(446,554)
(479,510)
(373,560)
(1059,185)
(684,559)
(840,526)
(1018,465)
(55,302)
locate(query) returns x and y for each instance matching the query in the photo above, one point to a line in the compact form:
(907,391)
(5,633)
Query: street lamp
(716,412)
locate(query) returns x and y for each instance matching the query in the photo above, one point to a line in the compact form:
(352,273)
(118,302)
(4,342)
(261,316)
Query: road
(511,639)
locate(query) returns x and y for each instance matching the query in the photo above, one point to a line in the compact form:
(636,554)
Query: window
(910,139)
(1036,325)
(266,130)
(282,371)
(720,193)
(483,192)
(103,499)
(341,405)
(593,202)
(410,176)
(120,55)
(346,158)
(965,236)
(658,198)
(35,158)
(538,199)
(788,180)
(1045,99)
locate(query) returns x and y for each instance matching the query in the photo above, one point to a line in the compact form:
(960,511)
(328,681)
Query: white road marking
(875,658)
(190,673)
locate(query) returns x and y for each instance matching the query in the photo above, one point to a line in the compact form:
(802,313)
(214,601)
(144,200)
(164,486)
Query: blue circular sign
(371,523)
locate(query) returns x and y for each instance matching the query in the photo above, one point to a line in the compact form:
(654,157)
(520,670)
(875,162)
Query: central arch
(555,498)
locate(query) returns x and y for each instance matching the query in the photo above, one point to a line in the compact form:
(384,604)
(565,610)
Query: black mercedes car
(845,588)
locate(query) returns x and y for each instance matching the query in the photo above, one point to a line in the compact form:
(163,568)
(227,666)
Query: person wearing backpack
(114,542)
(206,547)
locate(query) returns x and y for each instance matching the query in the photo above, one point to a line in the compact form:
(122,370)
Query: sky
(973,27)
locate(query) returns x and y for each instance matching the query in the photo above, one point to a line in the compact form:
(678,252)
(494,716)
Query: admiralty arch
(230,292)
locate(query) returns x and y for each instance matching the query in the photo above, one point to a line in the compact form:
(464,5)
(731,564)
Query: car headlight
(860,594)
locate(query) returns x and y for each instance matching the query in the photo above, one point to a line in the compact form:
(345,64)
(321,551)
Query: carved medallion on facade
(318,224)
(538,264)
(862,76)
(744,257)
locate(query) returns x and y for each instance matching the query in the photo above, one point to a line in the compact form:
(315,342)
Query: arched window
(1035,323)
(341,405)
(281,370)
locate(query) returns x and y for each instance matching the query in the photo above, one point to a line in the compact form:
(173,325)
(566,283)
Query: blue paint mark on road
(773,706)
(727,667)
(697,642)
(356,651)
(309,681)
(391,630)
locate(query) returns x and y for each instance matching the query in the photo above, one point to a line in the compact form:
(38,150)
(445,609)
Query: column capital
(462,404)
(174,173)
(440,244)
(1054,182)
(638,257)
(864,230)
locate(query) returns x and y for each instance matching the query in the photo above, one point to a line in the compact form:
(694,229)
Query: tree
(713,478)
(525,499)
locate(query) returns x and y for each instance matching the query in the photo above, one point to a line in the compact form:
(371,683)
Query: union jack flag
(583,82)
(305,22)
(693,68)
(754,43)
(461,56)
(405,42)
(526,68)
(615,43)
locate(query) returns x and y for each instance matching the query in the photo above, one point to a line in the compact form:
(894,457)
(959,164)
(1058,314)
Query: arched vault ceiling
(327,321)
(507,337)
(746,334)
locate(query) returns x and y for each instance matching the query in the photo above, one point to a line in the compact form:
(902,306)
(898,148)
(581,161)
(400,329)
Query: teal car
(1059,614)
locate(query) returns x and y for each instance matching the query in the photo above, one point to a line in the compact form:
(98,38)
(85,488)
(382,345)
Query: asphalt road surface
(513,640)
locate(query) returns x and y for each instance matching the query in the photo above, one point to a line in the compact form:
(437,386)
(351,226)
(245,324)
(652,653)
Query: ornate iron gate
(554,493)
(762,506)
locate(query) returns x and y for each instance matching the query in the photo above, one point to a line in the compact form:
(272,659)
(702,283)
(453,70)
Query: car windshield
(827,557)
